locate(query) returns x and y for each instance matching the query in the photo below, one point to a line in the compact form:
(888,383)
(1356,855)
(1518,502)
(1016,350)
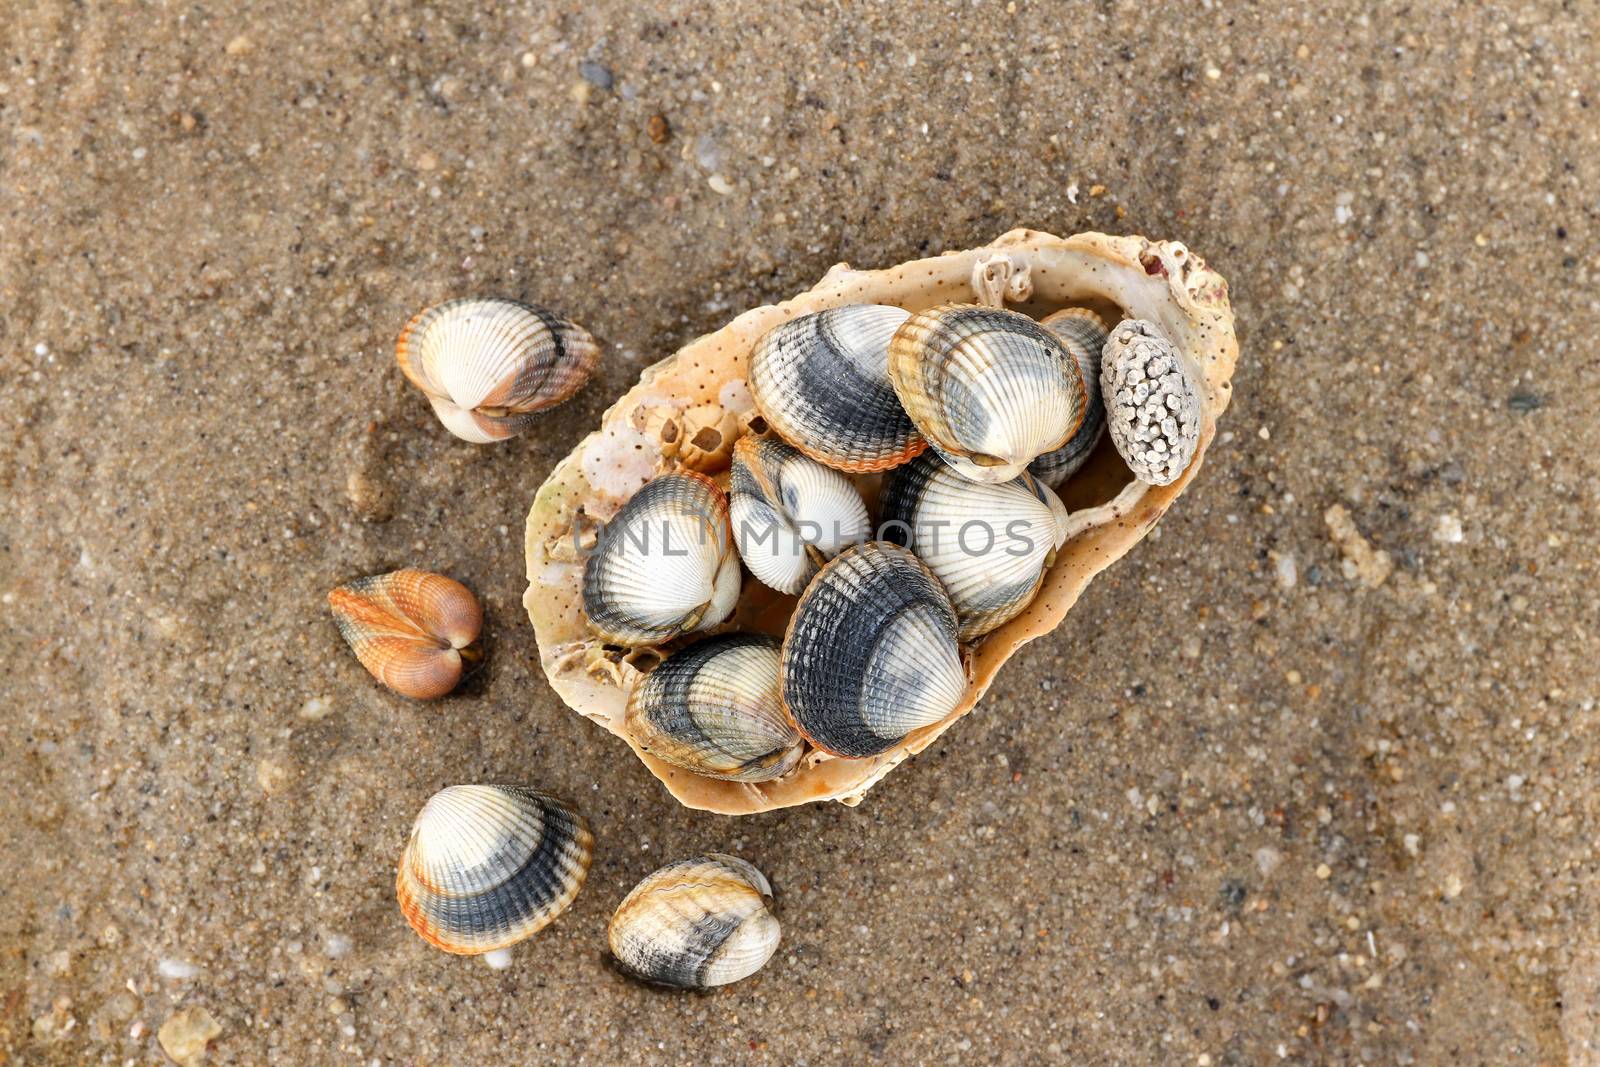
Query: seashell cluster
(665,564)
(488,366)
(714,708)
(1152,406)
(696,924)
(487,866)
(790,513)
(990,389)
(912,397)
(411,629)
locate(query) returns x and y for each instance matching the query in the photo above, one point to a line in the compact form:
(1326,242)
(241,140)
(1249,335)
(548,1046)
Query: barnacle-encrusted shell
(714,708)
(1110,511)
(871,652)
(791,514)
(665,564)
(489,865)
(1152,405)
(696,923)
(822,383)
(408,628)
(489,365)
(990,389)
(1083,334)
(988,544)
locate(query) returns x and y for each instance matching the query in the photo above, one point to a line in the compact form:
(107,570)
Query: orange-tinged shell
(408,628)
(1110,511)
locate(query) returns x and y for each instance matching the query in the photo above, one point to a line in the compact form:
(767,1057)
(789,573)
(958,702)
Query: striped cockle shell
(790,513)
(714,708)
(1083,334)
(488,366)
(409,629)
(990,389)
(871,654)
(489,865)
(1152,404)
(696,924)
(665,564)
(822,383)
(988,544)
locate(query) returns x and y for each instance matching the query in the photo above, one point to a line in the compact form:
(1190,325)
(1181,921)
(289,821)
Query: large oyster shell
(1119,277)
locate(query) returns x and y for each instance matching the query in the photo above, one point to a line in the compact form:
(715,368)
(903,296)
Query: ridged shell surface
(696,924)
(715,709)
(988,544)
(1152,404)
(1083,334)
(665,564)
(489,865)
(990,389)
(790,513)
(408,628)
(489,365)
(871,654)
(822,383)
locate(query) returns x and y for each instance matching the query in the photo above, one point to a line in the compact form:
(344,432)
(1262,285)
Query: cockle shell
(1110,510)
(489,865)
(1152,405)
(1083,334)
(821,381)
(791,514)
(990,389)
(408,628)
(714,708)
(696,924)
(988,544)
(488,365)
(871,652)
(665,564)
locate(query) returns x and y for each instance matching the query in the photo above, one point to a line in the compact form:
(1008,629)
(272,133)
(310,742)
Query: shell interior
(1110,511)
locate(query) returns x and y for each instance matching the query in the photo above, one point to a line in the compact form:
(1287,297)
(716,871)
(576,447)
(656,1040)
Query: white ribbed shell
(487,365)
(790,513)
(696,923)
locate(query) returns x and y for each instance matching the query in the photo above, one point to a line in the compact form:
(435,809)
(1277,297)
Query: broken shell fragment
(790,513)
(1152,404)
(988,544)
(1083,334)
(411,629)
(990,389)
(489,865)
(822,382)
(665,564)
(489,365)
(871,653)
(696,924)
(714,708)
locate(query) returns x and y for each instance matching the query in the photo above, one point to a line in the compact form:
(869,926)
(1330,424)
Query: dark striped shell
(665,564)
(871,652)
(1083,334)
(988,545)
(990,389)
(696,924)
(822,383)
(489,865)
(714,708)
(488,366)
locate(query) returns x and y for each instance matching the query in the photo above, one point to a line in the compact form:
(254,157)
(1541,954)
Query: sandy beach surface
(1308,778)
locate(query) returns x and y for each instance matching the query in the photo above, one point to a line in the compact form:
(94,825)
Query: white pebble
(177,969)
(499,959)
(1448,531)
(336,946)
(720,185)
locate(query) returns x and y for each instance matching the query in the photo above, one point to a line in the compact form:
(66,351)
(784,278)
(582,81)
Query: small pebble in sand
(658,128)
(499,959)
(595,74)
(239,46)
(1362,563)
(720,185)
(336,946)
(180,970)
(1448,530)
(185,1035)
(316,709)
